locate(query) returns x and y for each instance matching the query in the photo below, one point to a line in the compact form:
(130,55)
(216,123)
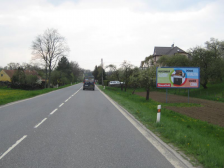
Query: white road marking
(171,155)
(40,123)
(66,100)
(77,92)
(61,104)
(13,146)
(53,111)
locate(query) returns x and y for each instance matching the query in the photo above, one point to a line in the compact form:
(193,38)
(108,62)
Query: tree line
(127,73)
(210,59)
(28,76)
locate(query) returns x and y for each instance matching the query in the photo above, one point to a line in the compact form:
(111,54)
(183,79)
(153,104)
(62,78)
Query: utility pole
(102,69)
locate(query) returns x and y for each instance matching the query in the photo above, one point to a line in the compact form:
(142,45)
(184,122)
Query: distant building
(5,75)
(161,51)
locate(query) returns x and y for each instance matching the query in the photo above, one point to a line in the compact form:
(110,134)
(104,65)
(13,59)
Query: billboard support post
(166,95)
(102,70)
(188,96)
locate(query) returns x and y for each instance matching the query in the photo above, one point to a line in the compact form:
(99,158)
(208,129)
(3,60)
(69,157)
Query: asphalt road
(86,131)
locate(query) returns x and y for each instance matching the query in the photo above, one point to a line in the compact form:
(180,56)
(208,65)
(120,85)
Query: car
(89,83)
(114,83)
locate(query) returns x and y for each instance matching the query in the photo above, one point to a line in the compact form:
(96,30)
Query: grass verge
(197,139)
(214,92)
(8,95)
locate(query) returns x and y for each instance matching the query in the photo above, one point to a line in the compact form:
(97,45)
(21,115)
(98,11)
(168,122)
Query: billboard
(178,77)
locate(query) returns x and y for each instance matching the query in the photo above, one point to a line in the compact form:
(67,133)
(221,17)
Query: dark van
(89,83)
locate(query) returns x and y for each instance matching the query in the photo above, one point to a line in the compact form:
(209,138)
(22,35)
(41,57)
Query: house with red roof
(6,75)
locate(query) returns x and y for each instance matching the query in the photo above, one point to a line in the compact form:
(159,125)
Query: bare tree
(13,65)
(49,48)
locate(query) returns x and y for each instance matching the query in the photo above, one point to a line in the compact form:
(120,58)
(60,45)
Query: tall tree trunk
(204,84)
(147,94)
(49,85)
(49,76)
(134,91)
(45,78)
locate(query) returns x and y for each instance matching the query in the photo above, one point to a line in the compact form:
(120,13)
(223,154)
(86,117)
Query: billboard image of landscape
(178,77)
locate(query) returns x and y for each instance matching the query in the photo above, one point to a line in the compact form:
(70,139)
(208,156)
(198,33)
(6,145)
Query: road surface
(71,128)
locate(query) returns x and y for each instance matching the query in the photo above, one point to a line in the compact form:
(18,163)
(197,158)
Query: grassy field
(197,139)
(214,92)
(8,95)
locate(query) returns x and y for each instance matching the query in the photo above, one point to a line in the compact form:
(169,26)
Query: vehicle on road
(116,83)
(112,83)
(89,83)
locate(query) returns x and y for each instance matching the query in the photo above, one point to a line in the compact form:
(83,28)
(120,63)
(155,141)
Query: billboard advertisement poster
(178,77)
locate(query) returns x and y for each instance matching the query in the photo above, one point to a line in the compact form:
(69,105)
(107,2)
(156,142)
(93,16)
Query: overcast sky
(115,30)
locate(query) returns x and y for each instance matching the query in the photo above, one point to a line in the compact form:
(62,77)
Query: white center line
(13,146)
(40,123)
(66,100)
(61,104)
(77,91)
(53,111)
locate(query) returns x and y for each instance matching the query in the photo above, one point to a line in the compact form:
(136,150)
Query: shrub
(105,82)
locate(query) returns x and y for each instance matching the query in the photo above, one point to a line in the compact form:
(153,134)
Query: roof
(167,50)
(10,73)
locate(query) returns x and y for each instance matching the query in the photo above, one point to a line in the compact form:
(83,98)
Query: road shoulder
(169,153)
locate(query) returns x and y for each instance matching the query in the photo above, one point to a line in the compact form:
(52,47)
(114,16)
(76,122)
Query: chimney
(172,45)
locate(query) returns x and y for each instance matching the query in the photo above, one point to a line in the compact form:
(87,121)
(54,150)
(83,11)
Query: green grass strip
(197,139)
(8,95)
(214,92)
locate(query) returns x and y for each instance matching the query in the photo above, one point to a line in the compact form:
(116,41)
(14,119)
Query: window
(1,74)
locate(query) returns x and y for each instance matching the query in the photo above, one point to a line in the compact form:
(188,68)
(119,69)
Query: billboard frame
(178,87)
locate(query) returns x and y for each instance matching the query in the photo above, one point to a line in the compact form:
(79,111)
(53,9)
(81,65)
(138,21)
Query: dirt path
(212,112)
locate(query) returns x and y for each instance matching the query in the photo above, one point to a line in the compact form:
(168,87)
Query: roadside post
(158,113)
(102,69)
(188,95)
